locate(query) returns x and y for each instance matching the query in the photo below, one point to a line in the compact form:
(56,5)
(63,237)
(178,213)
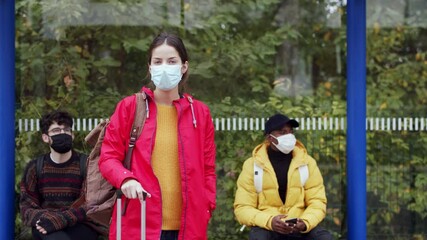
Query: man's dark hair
(59,117)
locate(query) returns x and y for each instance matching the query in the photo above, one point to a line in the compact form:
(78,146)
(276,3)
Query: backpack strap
(39,166)
(83,167)
(303,174)
(137,126)
(141,112)
(258,173)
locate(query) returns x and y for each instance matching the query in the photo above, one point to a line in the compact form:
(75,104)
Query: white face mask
(286,143)
(165,76)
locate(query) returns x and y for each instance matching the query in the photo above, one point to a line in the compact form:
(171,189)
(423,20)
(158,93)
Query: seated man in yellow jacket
(280,191)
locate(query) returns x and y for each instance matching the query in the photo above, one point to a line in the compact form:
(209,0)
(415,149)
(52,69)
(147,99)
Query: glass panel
(396,89)
(248,60)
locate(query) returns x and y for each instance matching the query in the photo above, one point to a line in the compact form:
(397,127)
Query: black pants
(169,235)
(79,231)
(316,233)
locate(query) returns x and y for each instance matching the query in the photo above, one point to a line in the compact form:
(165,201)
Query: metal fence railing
(251,124)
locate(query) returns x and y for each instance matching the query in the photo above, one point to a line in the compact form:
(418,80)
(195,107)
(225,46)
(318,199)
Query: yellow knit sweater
(166,166)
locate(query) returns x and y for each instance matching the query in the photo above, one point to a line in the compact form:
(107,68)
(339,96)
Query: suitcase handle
(120,193)
(119,215)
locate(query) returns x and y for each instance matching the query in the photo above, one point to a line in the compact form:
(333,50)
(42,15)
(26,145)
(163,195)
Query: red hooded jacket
(196,159)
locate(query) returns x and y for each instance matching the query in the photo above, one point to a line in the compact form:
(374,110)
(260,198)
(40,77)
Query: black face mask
(61,143)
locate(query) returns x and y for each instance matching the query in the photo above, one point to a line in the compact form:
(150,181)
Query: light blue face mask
(166,77)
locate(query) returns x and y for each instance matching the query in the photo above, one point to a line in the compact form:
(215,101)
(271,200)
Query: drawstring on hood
(147,109)
(192,111)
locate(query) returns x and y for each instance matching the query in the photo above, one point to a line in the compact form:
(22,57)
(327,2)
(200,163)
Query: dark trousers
(316,233)
(79,231)
(169,235)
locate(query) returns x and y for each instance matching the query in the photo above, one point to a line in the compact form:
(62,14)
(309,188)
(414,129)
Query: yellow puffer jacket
(306,202)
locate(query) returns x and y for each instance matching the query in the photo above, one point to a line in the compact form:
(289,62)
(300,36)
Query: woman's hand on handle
(132,189)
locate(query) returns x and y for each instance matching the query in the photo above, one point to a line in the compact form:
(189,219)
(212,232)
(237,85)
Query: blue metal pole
(7,119)
(356,118)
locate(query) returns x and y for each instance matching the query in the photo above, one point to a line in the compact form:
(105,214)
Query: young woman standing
(174,157)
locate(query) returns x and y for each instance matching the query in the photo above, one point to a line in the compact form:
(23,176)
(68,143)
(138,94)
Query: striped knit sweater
(52,198)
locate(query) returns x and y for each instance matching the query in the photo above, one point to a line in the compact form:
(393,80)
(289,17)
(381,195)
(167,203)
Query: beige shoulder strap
(137,126)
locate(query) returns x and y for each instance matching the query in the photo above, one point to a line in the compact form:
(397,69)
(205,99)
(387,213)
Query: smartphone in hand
(291,220)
